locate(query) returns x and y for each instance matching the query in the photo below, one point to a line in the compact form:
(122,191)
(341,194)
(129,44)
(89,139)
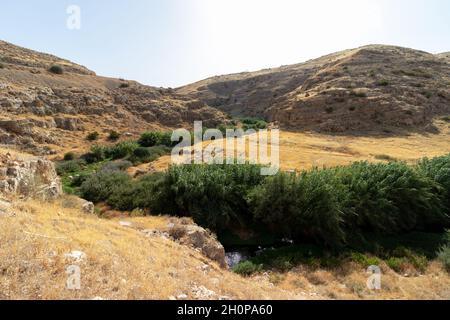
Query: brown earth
(369,89)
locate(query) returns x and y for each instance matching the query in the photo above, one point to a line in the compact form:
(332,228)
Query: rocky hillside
(372,88)
(42,110)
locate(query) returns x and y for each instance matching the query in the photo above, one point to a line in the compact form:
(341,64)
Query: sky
(171,43)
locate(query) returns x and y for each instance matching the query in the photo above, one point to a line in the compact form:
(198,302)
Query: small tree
(56,69)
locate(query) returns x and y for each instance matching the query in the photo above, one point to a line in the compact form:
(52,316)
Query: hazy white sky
(175,42)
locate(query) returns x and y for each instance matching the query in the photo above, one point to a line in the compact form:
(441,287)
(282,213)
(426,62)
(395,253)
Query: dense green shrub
(56,69)
(389,198)
(121,150)
(140,194)
(154,138)
(438,169)
(304,206)
(247,268)
(101,185)
(213,195)
(97,154)
(255,124)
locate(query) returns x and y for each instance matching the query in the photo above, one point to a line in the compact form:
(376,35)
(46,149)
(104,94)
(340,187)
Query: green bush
(56,69)
(92,136)
(438,169)
(247,268)
(389,198)
(69,156)
(114,136)
(213,195)
(255,124)
(140,194)
(121,150)
(304,206)
(154,138)
(101,185)
(66,167)
(97,154)
(145,155)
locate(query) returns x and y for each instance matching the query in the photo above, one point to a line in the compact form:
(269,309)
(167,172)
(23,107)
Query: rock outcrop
(189,234)
(34,177)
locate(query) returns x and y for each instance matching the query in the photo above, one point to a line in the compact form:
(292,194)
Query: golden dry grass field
(304,150)
(122,263)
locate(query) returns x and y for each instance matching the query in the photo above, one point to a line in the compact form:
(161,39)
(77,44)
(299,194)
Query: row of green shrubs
(329,206)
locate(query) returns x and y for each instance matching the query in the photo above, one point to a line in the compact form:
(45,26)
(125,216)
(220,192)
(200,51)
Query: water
(235,257)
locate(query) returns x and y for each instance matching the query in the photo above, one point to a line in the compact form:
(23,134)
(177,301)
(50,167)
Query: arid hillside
(44,108)
(369,89)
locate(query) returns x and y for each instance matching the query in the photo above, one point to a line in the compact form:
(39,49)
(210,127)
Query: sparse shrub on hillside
(69,156)
(56,69)
(124,85)
(92,136)
(2,65)
(329,109)
(446,118)
(114,136)
(385,157)
(383,83)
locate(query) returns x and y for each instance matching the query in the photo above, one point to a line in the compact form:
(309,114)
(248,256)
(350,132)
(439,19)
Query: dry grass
(304,150)
(121,262)
(349,282)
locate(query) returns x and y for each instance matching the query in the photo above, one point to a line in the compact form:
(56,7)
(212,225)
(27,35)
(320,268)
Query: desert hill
(372,88)
(43,110)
